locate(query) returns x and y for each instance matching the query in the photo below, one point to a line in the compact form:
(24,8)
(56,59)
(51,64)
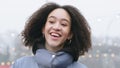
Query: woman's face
(57,29)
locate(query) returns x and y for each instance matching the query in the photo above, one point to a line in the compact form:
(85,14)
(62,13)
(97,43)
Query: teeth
(54,34)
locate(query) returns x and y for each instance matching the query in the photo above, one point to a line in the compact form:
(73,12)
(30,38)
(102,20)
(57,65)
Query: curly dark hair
(81,40)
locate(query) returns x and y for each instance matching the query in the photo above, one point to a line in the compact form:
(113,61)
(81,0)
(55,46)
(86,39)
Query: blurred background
(102,15)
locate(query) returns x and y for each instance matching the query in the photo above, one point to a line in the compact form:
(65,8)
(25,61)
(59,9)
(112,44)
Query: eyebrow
(56,18)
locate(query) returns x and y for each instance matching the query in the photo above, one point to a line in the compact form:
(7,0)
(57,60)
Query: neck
(52,48)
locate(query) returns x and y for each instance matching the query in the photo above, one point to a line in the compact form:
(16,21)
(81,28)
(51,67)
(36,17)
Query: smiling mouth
(55,35)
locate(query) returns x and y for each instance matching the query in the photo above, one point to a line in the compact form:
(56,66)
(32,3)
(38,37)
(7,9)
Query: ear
(70,36)
(43,30)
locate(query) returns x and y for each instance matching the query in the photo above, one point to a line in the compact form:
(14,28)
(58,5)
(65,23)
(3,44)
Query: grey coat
(46,59)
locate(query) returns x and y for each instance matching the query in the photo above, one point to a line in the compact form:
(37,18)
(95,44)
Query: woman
(58,35)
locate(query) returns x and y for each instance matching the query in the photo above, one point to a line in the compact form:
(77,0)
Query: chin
(54,45)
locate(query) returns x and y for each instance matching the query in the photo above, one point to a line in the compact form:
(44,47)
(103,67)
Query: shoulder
(24,59)
(77,65)
(24,62)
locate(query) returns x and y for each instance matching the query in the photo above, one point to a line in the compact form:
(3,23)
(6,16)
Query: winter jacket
(46,59)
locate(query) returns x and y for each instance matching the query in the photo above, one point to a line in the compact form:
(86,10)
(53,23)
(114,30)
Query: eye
(51,22)
(63,24)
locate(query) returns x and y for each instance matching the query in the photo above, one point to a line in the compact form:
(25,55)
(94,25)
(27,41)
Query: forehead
(60,14)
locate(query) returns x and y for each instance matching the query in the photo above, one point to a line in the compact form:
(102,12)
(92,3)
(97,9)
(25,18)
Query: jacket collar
(47,59)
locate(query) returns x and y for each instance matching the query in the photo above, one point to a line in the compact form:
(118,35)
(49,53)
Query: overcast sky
(102,15)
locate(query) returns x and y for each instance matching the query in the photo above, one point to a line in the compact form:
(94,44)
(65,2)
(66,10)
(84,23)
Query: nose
(57,26)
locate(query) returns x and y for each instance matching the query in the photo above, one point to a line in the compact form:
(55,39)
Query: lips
(55,35)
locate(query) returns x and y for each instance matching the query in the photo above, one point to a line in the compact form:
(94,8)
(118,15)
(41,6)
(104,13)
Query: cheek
(47,27)
(67,32)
